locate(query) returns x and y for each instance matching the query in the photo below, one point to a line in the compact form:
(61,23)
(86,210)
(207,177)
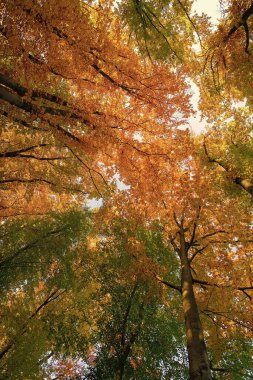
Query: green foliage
(38,268)
(93,296)
(27,353)
(30,249)
(161,29)
(236,359)
(137,330)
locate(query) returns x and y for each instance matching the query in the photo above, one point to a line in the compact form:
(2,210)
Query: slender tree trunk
(122,363)
(198,361)
(119,374)
(126,346)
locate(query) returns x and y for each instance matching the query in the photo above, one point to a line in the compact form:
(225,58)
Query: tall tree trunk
(121,367)
(119,374)
(198,361)
(125,344)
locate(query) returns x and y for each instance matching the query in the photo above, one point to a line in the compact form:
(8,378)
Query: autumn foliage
(96,101)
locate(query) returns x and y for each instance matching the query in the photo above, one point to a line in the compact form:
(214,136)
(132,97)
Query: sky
(211,8)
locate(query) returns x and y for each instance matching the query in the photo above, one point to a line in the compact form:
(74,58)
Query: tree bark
(199,367)
(122,362)
(246,184)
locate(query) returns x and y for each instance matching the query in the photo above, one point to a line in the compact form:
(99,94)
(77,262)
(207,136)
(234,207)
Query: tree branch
(51,297)
(17,152)
(240,288)
(90,170)
(38,180)
(212,234)
(226,370)
(194,228)
(243,22)
(168,284)
(197,252)
(220,314)
(126,315)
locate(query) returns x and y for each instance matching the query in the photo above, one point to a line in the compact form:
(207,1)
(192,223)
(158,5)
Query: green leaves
(98,295)
(38,266)
(138,331)
(160,29)
(38,249)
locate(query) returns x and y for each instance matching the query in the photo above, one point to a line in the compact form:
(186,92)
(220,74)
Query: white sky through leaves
(212,9)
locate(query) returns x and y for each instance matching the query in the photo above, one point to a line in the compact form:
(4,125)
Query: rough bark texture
(198,361)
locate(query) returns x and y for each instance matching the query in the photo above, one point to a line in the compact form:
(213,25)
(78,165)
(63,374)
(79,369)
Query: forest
(125,204)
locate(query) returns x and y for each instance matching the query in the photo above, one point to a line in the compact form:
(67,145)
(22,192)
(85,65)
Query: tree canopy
(96,108)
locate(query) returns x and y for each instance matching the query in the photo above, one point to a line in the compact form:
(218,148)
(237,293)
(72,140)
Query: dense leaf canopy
(126,239)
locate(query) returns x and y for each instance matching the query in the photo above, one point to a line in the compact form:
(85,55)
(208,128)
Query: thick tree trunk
(198,361)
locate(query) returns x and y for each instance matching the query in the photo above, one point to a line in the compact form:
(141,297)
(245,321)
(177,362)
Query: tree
(39,272)
(228,55)
(121,317)
(83,109)
(161,29)
(234,155)
(138,332)
(75,97)
(193,211)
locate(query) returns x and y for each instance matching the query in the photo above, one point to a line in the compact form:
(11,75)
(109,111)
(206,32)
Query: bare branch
(194,228)
(17,152)
(230,370)
(168,284)
(90,170)
(212,234)
(239,288)
(236,321)
(197,252)
(177,222)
